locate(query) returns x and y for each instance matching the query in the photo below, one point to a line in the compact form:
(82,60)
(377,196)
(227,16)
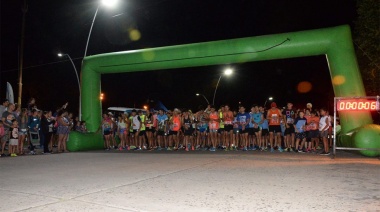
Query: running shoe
(286,149)
(192,148)
(128,148)
(168,149)
(212,149)
(280,149)
(300,151)
(245,148)
(271,150)
(324,153)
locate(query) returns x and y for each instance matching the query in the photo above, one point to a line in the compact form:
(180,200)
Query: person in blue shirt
(243,119)
(162,120)
(299,127)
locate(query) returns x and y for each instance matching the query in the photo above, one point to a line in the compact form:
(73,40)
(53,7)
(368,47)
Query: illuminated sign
(357,105)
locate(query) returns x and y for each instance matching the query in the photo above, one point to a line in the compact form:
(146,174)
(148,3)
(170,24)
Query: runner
(187,123)
(221,136)
(243,120)
(175,123)
(274,117)
(162,120)
(149,129)
(228,118)
(289,116)
(122,132)
(312,126)
(258,119)
(142,134)
(106,127)
(136,126)
(300,126)
(323,131)
(265,129)
(213,124)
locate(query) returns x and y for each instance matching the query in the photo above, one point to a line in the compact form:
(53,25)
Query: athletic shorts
(188,132)
(264,132)
(301,135)
(275,128)
(150,129)
(313,134)
(236,130)
(142,133)
(173,132)
(243,131)
(123,131)
(202,129)
(290,130)
(324,134)
(220,130)
(255,130)
(228,127)
(160,133)
(214,130)
(106,132)
(250,131)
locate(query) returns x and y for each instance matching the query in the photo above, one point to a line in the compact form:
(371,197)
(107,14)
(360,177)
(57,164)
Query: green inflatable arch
(335,43)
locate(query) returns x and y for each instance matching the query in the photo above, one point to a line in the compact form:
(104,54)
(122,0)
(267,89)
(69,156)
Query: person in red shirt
(313,127)
(274,117)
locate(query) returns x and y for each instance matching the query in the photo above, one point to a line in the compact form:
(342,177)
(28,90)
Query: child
(300,134)
(13,138)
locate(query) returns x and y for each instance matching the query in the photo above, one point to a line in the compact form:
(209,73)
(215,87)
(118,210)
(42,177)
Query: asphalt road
(189,181)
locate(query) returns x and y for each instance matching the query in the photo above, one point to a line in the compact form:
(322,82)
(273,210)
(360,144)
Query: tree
(367,42)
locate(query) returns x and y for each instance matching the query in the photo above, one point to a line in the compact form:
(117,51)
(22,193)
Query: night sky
(63,26)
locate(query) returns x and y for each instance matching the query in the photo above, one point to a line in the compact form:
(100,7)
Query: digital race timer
(357,105)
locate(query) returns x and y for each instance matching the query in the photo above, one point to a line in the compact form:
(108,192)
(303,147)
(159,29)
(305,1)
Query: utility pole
(24,10)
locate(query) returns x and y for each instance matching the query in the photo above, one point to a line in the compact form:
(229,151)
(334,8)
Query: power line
(45,64)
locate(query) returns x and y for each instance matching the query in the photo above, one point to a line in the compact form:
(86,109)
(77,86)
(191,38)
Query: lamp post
(108,3)
(227,72)
(269,98)
(76,73)
(199,94)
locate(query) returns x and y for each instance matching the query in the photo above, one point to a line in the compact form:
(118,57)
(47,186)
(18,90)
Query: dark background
(63,26)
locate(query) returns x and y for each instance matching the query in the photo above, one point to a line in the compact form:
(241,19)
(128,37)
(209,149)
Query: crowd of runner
(221,128)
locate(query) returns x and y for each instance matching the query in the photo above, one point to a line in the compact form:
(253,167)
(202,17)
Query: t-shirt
(161,119)
(299,124)
(313,123)
(274,116)
(289,115)
(136,122)
(213,125)
(14,133)
(243,119)
(8,119)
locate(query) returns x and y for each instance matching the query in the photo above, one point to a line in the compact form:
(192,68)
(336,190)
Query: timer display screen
(357,105)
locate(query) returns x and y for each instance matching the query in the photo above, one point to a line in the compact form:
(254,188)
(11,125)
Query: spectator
(4,106)
(7,119)
(47,129)
(23,129)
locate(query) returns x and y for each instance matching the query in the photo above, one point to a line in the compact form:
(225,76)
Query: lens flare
(134,34)
(339,80)
(304,87)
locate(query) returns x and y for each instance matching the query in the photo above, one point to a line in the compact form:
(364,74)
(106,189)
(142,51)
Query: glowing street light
(227,72)
(101,97)
(76,72)
(107,3)
(269,98)
(199,94)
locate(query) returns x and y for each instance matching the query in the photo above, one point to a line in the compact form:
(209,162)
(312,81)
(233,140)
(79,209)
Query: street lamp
(101,96)
(107,3)
(198,94)
(269,98)
(76,73)
(227,72)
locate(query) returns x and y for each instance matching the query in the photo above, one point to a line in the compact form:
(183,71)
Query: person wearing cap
(289,116)
(274,117)
(4,106)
